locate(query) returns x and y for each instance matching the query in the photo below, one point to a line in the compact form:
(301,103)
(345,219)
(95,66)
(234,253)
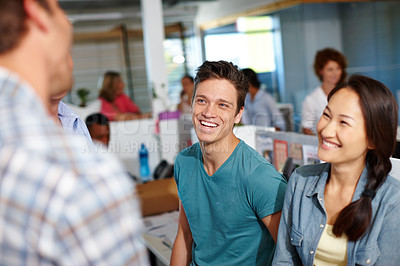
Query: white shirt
(313,107)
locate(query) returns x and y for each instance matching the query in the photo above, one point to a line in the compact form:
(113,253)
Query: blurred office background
(277,38)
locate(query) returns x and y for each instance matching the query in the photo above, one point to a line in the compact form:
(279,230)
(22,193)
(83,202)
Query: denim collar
(318,185)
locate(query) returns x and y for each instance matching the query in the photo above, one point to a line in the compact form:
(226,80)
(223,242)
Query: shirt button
(320,199)
(311,252)
(321,225)
(291,239)
(368,261)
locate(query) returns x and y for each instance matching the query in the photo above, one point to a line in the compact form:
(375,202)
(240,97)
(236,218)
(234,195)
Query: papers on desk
(163,226)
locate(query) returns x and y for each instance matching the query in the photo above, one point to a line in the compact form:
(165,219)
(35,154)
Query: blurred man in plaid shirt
(59,203)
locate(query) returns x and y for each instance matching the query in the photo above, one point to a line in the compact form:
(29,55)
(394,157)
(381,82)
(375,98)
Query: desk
(158,248)
(160,234)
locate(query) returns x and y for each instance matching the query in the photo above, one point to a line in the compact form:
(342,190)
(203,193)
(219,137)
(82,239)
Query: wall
(93,58)
(367,33)
(304,30)
(371,40)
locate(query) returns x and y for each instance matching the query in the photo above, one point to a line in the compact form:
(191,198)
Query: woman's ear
(37,14)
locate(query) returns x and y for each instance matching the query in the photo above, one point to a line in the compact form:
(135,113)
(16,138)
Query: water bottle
(144,163)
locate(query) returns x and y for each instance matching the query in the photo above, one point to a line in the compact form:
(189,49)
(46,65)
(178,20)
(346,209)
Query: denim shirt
(304,218)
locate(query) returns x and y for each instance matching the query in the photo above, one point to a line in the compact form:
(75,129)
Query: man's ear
(239,115)
(36,14)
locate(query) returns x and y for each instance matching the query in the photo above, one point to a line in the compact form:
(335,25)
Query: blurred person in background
(115,104)
(330,68)
(99,128)
(259,107)
(186,94)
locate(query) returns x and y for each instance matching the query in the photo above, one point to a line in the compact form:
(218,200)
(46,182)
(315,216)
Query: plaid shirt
(59,203)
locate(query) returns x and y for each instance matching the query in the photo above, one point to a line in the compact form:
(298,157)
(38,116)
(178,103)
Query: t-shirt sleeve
(177,171)
(267,189)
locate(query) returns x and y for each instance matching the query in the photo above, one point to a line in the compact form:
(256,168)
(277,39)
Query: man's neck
(253,92)
(30,66)
(53,111)
(215,154)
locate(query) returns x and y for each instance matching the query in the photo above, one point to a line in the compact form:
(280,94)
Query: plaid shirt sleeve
(51,214)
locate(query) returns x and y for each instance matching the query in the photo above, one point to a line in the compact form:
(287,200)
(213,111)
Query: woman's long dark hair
(379,108)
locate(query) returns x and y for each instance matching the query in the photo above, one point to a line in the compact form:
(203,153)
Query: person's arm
(308,119)
(285,252)
(388,236)
(182,248)
(100,220)
(272,224)
(130,106)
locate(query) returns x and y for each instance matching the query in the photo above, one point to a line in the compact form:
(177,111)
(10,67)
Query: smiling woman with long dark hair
(346,211)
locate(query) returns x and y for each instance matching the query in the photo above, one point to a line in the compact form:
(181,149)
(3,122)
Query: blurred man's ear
(37,14)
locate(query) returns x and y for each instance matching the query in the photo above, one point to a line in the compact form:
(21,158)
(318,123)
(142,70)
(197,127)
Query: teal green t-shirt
(224,210)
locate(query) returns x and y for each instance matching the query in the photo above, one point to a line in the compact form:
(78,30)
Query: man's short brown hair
(223,70)
(12,22)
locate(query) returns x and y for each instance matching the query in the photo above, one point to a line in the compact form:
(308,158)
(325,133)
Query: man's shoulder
(265,95)
(249,153)
(65,111)
(65,159)
(188,152)
(254,163)
(72,166)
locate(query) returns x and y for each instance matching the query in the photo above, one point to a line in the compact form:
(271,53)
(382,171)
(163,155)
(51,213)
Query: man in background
(60,204)
(99,128)
(260,108)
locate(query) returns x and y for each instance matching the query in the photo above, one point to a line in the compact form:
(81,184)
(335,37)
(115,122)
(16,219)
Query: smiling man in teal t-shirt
(231,197)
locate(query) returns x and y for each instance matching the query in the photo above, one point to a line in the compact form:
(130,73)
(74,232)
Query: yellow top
(331,250)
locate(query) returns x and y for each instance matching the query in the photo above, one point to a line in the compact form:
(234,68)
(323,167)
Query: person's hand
(131,116)
(146,115)
(308,131)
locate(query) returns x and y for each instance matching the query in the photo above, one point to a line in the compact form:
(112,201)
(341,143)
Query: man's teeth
(329,145)
(208,124)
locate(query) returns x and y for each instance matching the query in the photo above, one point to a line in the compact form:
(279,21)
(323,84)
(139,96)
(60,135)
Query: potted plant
(83,95)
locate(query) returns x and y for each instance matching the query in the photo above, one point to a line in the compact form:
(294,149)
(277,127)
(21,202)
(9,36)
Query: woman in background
(115,104)
(346,211)
(329,66)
